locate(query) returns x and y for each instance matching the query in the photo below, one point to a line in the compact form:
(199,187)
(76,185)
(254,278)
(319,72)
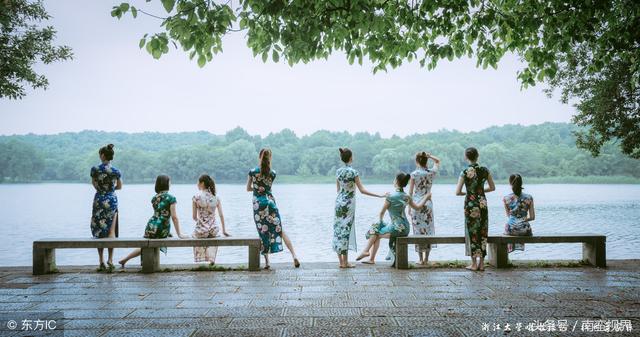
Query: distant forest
(544,151)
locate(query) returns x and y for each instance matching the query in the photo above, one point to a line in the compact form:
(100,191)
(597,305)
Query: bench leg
(150,260)
(254,258)
(498,255)
(44,260)
(402,255)
(595,253)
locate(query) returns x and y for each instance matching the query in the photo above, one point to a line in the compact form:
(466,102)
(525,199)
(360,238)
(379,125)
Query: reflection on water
(35,211)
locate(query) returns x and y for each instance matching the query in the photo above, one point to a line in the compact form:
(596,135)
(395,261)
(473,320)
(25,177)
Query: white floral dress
(206,225)
(344,232)
(422,219)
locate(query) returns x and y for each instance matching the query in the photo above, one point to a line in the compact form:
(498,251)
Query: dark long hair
(162,183)
(471,153)
(265,162)
(345,154)
(422,158)
(402,179)
(107,152)
(516,183)
(208,182)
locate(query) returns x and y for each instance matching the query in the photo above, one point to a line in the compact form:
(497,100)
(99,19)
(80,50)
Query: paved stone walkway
(321,300)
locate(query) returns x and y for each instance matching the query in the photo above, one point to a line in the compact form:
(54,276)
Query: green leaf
(201,61)
(265,56)
(142,42)
(134,12)
(274,56)
(124,7)
(168,5)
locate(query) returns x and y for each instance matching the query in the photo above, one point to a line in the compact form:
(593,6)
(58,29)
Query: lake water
(35,211)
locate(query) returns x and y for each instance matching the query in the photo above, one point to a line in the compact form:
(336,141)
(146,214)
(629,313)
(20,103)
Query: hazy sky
(112,85)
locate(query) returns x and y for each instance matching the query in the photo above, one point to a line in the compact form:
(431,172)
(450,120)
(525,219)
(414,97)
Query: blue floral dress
(517,207)
(105,201)
(159,225)
(476,213)
(344,231)
(399,225)
(422,219)
(265,212)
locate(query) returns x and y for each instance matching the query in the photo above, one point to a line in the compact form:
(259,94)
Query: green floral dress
(265,212)
(344,232)
(476,213)
(399,225)
(159,225)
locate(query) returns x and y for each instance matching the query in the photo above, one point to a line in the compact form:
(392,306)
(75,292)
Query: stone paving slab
(322,300)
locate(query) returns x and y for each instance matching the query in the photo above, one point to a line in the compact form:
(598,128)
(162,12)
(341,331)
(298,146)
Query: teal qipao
(265,212)
(105,201)
(344,232)
(399,225)
(159,225)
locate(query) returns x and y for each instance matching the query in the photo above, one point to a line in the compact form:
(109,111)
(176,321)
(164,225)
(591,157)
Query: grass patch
(550,264)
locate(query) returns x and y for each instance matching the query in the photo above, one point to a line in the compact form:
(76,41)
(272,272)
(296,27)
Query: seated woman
(164,211)
(520,211)
(395,203)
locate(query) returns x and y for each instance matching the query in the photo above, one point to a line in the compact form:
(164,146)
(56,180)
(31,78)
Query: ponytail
(516,184)
(265,162)
(209,183)
(345,154)
(402,179)
(422,158)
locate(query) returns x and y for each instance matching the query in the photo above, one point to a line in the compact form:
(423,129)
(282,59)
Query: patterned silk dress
(159,225)
(399,225)
(518,208)
(265,212)
(206,225)
(105,201)
(476,213)
(344,231)
(422,219)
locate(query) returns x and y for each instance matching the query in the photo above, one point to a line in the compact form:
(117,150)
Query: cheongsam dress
(159,225)
(344,238)
(105,201)
(518,208)
(422,219)
(265,212)
(476,213)
(399,225)
(206,225)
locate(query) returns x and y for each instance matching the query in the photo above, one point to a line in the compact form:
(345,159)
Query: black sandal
(296,263)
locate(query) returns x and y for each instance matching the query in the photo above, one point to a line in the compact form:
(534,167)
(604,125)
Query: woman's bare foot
(122,263)
(348,265)
(472,267)
(368,262)
(296,263)
(362,256)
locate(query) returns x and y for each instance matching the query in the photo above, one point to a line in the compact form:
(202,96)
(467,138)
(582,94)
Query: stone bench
(44,257)
(593,246)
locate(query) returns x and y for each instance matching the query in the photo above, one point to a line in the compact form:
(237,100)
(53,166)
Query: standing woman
(164,211)
(520,210)
(265,211)
(204,205)
(104,218)
(419,186)
(344,236)
(396,204)
(476,213)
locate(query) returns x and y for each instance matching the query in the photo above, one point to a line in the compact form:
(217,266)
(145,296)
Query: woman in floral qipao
(204,205)
(106,179)
(476,213)
(265,210)
(164,211)
(419,186)
(520,211)
(396,204)
(347,179)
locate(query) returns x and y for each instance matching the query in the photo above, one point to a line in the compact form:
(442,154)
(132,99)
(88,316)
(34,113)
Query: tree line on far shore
(542,151)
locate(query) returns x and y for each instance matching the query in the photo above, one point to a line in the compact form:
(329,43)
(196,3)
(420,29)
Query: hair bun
(341,150)
(110,146)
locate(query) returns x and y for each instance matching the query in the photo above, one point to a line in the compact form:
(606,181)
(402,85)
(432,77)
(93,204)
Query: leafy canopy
(548,35)
(23,42)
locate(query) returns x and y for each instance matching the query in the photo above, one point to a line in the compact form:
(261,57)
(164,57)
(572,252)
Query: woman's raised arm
(364,190)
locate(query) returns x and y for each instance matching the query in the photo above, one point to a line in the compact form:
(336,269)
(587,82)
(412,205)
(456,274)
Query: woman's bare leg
(266,261)
(481,263)
(100,256)
(376,245)
(134,253)
(112,234)
(473,265)
(365,251)
(288,243)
